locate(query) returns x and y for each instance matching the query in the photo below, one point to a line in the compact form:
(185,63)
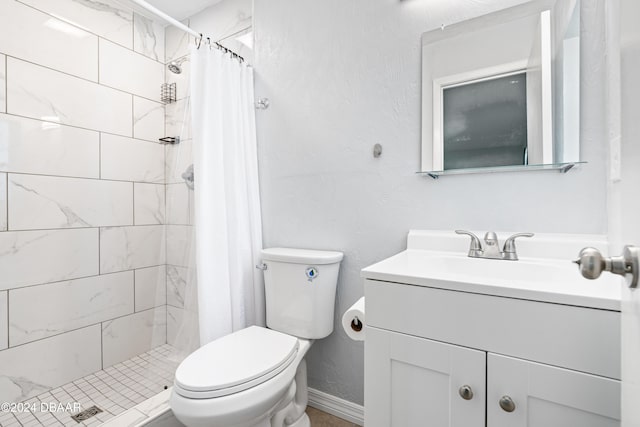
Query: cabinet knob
(465,392)
(507,404)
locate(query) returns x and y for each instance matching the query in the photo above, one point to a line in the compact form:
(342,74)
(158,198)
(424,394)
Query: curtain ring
(199,41)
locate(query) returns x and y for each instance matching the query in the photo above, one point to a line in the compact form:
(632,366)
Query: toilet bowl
(238,395)
(256,377)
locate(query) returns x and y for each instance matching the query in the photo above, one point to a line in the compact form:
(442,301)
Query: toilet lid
(250,356)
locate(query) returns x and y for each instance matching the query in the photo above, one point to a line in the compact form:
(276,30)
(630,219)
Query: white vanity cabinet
(547,396)
(427,349)
(413,381)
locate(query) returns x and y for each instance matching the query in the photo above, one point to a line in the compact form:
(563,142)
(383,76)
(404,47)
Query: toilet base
(293,413)
(304,421)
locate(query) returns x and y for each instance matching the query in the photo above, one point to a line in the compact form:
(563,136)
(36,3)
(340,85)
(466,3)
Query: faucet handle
(509,248)
(476,247)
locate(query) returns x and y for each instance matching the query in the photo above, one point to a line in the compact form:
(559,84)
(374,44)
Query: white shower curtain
(228,228)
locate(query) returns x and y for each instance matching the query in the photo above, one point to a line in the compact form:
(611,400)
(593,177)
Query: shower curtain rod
(143,4)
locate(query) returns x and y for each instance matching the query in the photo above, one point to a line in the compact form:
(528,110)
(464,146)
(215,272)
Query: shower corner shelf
(168,93)
(170,140)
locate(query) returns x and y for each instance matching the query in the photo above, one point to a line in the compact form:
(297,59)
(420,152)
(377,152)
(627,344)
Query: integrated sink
(448,265)
(555,280)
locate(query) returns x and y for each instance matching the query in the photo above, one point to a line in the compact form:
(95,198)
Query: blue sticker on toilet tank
(311,273)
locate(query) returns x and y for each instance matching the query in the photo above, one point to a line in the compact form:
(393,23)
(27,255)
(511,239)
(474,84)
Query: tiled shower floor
(113,390)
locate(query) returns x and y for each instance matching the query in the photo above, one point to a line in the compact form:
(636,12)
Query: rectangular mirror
(503,90)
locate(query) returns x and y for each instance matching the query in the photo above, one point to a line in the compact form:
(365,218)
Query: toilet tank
(300,290)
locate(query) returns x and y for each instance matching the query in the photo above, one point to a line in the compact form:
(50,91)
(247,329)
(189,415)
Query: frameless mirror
(502,91)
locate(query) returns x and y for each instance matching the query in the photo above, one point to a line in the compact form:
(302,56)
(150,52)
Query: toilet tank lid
(301,256)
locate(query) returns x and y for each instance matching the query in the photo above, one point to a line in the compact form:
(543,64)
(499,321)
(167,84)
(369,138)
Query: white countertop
(553,280)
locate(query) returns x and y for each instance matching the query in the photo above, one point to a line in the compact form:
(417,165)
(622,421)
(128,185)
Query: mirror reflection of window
(472,64)
(485,122)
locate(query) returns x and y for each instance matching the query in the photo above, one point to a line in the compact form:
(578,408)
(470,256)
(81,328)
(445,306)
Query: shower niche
(502,92)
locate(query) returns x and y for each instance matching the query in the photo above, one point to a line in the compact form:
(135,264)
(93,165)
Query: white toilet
(257,376)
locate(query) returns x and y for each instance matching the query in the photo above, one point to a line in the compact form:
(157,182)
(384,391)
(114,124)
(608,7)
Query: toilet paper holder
(354,320)
(356,324)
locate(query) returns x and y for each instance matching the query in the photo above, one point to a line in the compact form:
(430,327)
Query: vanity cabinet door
(545,396)
(411,382)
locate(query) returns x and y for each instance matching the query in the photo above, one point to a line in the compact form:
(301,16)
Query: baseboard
(335,406)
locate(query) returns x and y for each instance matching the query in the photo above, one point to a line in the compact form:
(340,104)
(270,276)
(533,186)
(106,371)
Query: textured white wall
(344,75)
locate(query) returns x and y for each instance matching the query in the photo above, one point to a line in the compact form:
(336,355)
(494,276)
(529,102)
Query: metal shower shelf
(168,93)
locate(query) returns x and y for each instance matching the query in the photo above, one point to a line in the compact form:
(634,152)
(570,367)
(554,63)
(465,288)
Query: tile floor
(155,412)
(137,418)
(138,382)
(113,390)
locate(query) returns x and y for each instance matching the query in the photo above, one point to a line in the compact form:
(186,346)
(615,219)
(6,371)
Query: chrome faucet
(492,246)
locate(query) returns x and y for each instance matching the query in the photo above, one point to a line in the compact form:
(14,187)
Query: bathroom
(101,246)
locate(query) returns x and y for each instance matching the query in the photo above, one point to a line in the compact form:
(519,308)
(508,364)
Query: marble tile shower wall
(82,191)
(179,198)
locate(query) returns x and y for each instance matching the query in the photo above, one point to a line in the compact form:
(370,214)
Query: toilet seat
(235,362)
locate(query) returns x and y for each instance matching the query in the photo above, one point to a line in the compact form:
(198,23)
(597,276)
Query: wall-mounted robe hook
(377,151)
